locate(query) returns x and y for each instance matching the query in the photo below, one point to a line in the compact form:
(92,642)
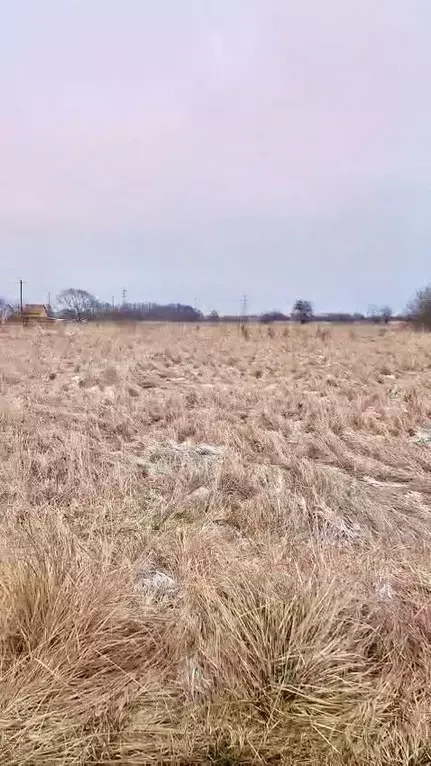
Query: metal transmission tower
(244,309)
(124,293)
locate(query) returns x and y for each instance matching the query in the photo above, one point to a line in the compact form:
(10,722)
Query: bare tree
(77,304)
(373,314)
(302,311)
(419,309)
(386,314)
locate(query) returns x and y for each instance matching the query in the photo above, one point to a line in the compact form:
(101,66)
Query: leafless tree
(386,314)
(419,309)
(302,311)
(77,304)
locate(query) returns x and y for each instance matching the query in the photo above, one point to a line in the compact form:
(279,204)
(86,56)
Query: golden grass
(215,549)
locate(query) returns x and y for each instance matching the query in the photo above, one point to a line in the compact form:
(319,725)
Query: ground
(215,546)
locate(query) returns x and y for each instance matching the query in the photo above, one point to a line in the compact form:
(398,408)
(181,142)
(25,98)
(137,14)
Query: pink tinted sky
(204,148)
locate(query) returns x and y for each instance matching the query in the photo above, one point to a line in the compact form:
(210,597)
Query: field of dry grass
(213,549)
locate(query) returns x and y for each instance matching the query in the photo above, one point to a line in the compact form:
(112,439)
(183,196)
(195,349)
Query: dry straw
(215,547)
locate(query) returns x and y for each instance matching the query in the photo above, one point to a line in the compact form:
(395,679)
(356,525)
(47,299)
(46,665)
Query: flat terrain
(215,549)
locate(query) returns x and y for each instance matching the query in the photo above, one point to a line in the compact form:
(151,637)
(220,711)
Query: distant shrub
(273,316)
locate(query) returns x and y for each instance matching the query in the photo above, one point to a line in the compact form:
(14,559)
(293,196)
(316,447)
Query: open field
(215,550)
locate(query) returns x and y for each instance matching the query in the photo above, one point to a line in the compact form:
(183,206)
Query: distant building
(32,313)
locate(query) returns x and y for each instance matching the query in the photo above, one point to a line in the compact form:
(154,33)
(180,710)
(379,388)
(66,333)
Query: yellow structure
(32,313)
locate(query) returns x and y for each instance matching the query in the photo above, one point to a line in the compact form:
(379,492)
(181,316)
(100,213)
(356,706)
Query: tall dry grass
(215,549)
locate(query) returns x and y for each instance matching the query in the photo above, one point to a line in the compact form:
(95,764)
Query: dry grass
(215,549)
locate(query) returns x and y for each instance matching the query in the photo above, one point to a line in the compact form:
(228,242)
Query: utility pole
(113,302)
(49,299)
(20,295)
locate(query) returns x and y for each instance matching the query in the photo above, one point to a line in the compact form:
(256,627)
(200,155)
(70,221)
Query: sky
(196,150)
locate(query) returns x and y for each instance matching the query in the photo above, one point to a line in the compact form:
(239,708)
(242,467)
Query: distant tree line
(80,305)
(303,312)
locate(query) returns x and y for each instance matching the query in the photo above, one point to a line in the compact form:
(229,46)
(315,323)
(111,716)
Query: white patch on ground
(225,528)
(157,581)
(423,437)
(173,451)
(377,483)
(160,458)
(296,431)
(384,591)
(204,450)
(186,449)
(201,494)
(397,394)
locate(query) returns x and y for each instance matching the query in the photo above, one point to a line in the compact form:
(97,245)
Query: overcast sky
(201,149)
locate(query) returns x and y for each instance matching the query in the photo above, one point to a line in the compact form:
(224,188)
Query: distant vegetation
(273,316)
(419,309)
(80,305)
